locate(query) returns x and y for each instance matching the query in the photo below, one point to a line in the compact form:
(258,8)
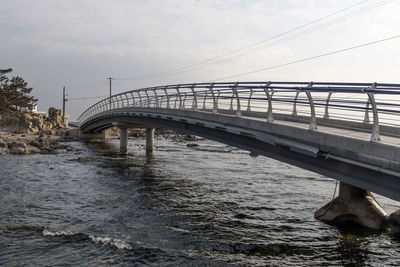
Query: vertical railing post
(180,96)
(232,97)
(184,101)
(194,101)
(375,136)
(133,100)
(269,99)
(326,114)
(294,112)
(122,101)
(249,101)
(166,94)
(148,98)
(140,99)
(235,91)
(156,96)
(313,119)
(219,93)
(204,100)
(215,100)
(366,114)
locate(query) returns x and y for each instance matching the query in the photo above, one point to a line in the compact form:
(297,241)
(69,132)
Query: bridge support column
(353,205)
(149,140)
(123,140)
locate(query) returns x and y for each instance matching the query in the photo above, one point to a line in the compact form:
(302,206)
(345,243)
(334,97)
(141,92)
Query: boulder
(394,222)
(21,147)
(55,117)
(3,144)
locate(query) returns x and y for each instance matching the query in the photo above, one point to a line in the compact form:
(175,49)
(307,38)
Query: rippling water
(207,205)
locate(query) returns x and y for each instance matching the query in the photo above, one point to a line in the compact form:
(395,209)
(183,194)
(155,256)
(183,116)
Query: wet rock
(192,145)
(192,138)
(137,133)
(394,222)
(253,154)
(2,144)
(84,159)
(20,147)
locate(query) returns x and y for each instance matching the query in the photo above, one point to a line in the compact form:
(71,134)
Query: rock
(137,133)
(20,147)
(253,154)
(24,122)
(192,145)
(394,222)
(3,151)
(3,144)
(192,138)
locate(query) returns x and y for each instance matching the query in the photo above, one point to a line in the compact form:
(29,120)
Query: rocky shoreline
(31,133)
(47,141)
(22,144)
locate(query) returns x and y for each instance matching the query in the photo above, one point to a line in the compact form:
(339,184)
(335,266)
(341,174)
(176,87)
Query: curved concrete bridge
(346,131)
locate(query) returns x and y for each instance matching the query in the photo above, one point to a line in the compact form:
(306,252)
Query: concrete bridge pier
(353,205)
(149,140)
(123,140)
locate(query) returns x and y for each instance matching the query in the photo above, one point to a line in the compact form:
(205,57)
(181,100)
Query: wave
(118,243)
(99,240)
(60,233)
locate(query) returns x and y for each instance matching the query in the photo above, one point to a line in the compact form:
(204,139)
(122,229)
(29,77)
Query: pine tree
(15,94)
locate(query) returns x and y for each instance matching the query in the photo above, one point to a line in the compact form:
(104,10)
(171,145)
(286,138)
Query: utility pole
(110,79)
(63,109)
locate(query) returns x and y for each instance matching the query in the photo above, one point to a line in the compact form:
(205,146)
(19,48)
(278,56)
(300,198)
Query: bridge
(347,131)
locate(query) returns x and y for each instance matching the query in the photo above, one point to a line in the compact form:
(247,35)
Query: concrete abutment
(353,205)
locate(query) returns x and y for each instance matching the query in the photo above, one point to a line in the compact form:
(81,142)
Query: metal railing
(323,100)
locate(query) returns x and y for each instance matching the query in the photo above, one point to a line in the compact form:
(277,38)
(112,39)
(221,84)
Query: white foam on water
(58,233)
(105,241)
(110,242)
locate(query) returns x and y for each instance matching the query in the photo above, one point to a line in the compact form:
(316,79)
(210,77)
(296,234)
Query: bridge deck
(360,134)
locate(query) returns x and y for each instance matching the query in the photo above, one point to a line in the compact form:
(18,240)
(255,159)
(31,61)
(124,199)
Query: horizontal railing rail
(375,104)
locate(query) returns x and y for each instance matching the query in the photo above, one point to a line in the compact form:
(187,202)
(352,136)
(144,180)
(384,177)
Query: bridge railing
(373,104)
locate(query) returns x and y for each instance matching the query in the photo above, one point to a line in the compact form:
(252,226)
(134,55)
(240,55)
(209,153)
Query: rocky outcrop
(24,122)
(28,144)
(29,133)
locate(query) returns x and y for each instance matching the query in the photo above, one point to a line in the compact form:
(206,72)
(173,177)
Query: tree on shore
(14,93)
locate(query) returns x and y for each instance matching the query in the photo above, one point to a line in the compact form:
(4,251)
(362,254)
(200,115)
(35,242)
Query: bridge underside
(346,170)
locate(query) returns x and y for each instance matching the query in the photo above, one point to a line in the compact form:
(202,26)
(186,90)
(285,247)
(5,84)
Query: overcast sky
(79,43)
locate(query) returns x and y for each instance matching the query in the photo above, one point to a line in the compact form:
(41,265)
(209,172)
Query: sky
(79,43)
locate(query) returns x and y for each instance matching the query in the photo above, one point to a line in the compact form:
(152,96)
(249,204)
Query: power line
(294,36)
(213,60)
(337,20)
(90,97)
(309,58)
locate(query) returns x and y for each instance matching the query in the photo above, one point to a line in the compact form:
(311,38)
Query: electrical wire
(90,97)
(307,59)
(214,59)
(289,38)
(336,20)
